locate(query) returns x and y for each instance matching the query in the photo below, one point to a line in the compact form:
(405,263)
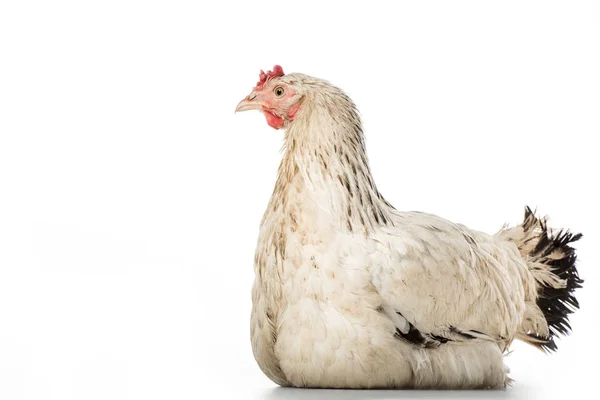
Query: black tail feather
(556,303)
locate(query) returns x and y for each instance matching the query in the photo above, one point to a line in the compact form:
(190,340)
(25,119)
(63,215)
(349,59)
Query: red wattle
(273,120)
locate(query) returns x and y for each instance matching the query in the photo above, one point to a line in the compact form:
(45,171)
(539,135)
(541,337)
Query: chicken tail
(551,262)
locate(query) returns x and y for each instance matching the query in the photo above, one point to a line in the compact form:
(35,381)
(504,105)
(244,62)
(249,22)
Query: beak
(249,103)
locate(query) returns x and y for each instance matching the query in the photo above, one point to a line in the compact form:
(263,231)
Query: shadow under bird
(351,293)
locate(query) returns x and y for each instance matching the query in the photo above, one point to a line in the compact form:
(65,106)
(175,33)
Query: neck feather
(325,160)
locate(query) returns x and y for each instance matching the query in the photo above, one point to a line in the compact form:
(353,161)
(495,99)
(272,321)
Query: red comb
(264,77)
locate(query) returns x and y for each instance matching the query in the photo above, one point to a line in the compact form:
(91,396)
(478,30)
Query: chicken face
(277,98)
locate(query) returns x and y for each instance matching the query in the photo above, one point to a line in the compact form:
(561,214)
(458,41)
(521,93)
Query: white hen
(351,293)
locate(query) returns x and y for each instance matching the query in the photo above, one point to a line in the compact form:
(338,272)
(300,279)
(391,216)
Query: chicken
(351,293)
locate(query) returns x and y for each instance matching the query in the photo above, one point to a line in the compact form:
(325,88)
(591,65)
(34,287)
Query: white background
(131,194)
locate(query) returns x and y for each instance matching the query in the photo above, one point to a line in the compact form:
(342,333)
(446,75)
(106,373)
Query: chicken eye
(279,91)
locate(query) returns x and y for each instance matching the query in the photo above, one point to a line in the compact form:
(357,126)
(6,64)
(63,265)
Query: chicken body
(318,318)
(351,293)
